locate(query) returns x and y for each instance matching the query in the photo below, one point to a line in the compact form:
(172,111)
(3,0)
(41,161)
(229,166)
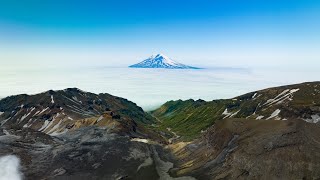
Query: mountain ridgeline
(268,134)
(72,134)
(189,118)
(55,112)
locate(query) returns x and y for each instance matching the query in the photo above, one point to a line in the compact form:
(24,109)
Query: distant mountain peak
(161,61)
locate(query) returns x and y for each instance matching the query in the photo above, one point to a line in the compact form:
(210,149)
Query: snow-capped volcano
(161,61)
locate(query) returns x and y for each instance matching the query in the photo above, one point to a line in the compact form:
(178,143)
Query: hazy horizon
(150,88)
(243,46)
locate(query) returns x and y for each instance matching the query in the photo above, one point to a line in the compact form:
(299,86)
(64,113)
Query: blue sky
(198,32)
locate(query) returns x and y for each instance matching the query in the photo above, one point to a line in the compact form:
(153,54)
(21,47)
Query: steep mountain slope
(161,61)
(189,118)
(252,149)
(268,134)
(56,112)
(72,134)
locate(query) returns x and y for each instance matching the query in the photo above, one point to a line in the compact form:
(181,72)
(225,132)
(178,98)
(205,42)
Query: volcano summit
(161,61)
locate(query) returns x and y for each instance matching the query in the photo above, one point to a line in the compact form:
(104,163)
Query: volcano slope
(189,118)
(72,134)
(268,134)
(251,149)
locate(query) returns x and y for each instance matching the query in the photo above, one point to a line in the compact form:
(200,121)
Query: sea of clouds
(150,88)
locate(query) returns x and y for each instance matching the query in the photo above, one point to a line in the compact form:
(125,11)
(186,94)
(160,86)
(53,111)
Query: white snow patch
(36,113)
(52,101)
(26,115)
(51,122)
(76,99)
(45,124)
(10,168)
(32,109)
(1,113)
(284,95)
(71,100)
(235,113)
(229,114)
(140,140)
(255,94)
(160,61)
(100,118)
(78,110)
(283,92)
(55,127)
(274,114)
(294,90)
(44,110)
(278,118)
(226,113)
(259,117)
(23,117)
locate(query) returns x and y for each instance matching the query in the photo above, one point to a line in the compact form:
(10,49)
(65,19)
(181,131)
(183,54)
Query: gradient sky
(237,33)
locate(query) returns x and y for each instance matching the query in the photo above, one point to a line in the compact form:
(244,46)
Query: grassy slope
(188,118)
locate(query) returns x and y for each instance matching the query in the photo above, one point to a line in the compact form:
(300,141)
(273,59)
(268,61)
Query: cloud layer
(10,168)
